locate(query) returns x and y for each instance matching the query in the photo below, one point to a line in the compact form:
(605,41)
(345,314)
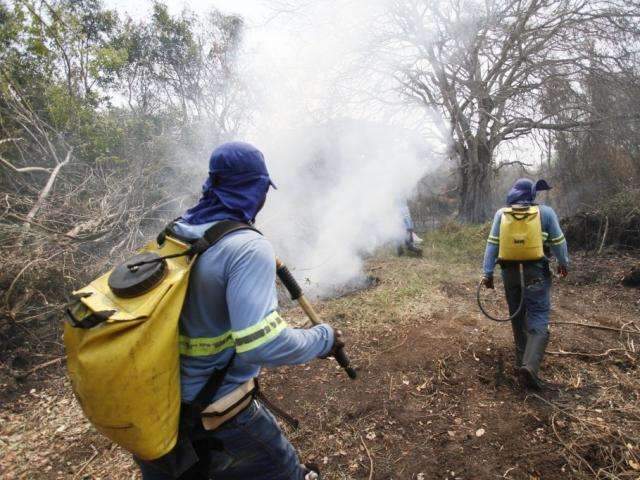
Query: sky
(262,20)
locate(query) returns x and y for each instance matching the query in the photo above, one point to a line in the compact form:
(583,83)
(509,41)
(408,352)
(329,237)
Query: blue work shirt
(551,234)
(406,216)
(231,303)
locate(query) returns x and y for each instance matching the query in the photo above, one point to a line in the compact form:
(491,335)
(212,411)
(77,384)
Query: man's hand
(338,343)
(563,271)
(487,282)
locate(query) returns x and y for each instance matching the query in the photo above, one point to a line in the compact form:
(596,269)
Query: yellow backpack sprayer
(520,241)
(123,344)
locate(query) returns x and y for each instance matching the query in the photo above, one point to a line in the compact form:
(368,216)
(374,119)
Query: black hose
(134,266)
(277,411)
(517,312)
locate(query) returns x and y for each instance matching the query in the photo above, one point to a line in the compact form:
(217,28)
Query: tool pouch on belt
(189,460)
(229,406)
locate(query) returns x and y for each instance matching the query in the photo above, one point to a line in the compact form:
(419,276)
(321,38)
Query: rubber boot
(519,338)
(533,353)
(313,472)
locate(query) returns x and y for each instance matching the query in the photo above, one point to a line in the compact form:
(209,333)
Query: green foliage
(112,88)
(457,242)
(93,111)
(108,60)
(622,203)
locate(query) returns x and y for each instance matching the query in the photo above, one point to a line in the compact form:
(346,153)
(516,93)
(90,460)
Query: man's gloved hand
(563,271)
(487,282)
(338,343)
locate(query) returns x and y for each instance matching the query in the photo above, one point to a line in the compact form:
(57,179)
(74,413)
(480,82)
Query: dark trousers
(253,447)
(534,316)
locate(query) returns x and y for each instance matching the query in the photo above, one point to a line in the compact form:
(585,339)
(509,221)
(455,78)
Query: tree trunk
(475,184)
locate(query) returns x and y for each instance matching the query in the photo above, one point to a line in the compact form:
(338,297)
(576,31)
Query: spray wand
(295,291)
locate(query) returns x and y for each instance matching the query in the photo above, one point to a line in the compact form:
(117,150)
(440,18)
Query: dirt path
(436,397)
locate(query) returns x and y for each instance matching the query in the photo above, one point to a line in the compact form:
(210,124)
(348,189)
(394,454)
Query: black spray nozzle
(343,361)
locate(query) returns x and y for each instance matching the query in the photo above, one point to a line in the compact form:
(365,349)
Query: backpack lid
(127,282)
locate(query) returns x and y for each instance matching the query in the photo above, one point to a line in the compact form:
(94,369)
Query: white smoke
(342,152)
(341,144)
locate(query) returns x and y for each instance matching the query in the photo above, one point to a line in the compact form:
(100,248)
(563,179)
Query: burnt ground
(436,396)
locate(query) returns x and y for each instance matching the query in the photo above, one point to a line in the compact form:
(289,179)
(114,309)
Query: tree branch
(514,162)
(44,193)
(23,169)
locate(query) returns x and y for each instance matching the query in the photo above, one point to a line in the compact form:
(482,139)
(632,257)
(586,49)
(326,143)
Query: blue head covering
(236,187)
(524,191)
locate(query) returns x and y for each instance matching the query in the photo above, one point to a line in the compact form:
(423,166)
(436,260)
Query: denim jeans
(537,294)
(253,448)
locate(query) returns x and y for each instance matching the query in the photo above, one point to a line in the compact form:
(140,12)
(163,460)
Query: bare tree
(487,66)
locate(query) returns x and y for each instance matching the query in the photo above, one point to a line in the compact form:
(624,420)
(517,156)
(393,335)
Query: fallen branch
(9,292)
(604,235)
(22,375)
(368,455)
(586,354)
(597,327)
(39,225)
(20,169)
(86,464)
(396,346)
(47,188)
(23,169)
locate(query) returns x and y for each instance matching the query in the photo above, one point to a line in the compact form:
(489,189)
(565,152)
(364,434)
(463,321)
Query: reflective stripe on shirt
(557,240)
(260,333)
(244,340)
(203,346)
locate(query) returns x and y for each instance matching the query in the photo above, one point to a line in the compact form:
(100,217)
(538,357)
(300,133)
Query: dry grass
(433,374)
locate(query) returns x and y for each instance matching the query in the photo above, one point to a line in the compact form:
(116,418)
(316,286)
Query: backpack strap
(215,233)
(188,459)
(214,382)
(211,236)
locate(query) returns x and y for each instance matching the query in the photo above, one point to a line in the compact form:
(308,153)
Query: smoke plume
(328,122)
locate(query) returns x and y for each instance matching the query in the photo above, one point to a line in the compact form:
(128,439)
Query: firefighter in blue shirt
(411,240)
(230,317)
(531,325)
